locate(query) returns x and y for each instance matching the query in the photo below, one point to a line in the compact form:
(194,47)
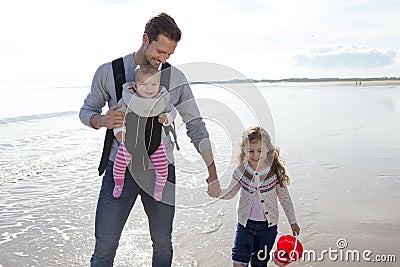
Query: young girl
(262,180)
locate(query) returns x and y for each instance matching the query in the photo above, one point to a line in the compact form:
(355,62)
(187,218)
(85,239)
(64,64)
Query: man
(159,41)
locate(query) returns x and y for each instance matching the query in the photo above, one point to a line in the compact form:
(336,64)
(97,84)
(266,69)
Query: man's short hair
(162,24)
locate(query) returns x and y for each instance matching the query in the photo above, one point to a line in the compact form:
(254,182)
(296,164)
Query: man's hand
(113,118)
(214,188)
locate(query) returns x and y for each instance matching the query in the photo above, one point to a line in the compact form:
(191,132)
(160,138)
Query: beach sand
(51,223)
(345,187)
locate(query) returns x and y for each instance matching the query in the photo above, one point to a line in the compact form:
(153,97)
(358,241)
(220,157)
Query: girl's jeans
(253,243)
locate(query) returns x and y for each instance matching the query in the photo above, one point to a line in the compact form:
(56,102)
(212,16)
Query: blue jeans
(253,243)
(112,213)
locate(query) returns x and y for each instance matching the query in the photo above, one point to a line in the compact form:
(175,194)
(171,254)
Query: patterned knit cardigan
(244,178)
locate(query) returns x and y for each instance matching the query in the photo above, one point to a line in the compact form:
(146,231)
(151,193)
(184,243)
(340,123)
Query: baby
(147,108)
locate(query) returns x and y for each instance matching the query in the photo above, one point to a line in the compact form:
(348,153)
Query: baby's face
(148,86)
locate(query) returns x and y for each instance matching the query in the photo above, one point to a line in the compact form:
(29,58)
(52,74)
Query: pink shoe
(117,191)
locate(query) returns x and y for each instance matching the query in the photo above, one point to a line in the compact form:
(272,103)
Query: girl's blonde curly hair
(256,134)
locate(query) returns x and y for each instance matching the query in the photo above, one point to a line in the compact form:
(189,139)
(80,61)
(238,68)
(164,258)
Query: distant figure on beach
(160,38)
(262,180)
(145,86)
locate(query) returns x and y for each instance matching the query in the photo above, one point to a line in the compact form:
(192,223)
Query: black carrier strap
(165,75)
(165,81)
(119,80)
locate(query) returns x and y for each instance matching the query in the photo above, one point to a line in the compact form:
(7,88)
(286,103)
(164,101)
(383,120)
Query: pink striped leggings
(159,161)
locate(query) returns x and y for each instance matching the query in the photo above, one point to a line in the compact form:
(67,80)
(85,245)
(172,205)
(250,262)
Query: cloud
(346,56)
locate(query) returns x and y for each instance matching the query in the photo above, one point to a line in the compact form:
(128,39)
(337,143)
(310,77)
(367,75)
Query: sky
(65,41)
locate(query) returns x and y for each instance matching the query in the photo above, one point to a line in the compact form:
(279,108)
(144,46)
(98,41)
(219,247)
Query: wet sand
(342,158)
(51,222)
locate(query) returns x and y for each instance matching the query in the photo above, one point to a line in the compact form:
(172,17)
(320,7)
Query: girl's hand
(120,136)
(163,118)
(295,229)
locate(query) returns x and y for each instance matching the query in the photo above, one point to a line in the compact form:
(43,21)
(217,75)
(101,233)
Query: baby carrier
(148,142)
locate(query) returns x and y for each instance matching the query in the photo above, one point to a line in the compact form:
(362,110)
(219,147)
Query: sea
(339,141)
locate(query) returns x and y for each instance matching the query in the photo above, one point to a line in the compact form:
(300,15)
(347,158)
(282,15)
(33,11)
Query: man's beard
(146,58)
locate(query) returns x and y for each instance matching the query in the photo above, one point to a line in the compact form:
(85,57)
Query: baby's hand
(163,119)
(120,136)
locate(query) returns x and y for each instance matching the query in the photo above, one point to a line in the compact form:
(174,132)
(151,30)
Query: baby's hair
(145,69)
(256,134)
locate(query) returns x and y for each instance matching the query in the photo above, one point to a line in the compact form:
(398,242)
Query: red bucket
(288,249)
